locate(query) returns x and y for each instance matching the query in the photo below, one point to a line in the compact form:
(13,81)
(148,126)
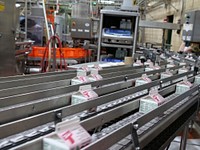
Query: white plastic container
(123,24)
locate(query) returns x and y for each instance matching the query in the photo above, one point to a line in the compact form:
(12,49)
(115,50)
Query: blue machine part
(120,32)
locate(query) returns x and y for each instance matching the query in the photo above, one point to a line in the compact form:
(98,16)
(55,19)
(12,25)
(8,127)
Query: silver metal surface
(159,25)
(68,110)
(81,28)
(184,138)
(191,27)
(7,38)
(123,14)
(27,97)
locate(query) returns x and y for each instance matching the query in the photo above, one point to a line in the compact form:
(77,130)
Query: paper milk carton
(95,76)
(69,135)
(151,67)
(164,75)
(138,63)
(85,93)
(170,65)
(150,102)
(197,79)
(80,78)
(183,86)
(143,80)
(97,66)
(148,62)
(84,68)
(180,71)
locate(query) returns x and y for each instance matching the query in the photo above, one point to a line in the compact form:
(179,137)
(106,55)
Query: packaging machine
(31,109)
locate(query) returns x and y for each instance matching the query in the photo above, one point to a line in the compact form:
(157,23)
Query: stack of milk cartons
(143,80)
(164,75)
(183,86)
(69,135)
(150,102)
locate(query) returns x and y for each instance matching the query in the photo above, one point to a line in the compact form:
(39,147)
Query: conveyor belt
(43,118)
(11,82)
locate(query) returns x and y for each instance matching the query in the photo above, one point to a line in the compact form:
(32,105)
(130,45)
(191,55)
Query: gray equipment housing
(191,32)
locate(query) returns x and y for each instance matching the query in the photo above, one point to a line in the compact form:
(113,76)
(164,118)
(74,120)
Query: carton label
(82,79)
(96,76)
(85,68)
(89,94)
(73,134)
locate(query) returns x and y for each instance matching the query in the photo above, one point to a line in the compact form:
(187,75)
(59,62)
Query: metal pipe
(48,34)
(184,138)
(26,21)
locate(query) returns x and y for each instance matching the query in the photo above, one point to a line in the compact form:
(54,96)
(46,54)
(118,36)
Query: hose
(45,65)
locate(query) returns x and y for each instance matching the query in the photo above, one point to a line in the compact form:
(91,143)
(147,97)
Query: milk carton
(151,67)
(180,71)
(143,80)
(197,79)
(85,93)
(95,76)
(138,63)
(148,62)
(84,68)
(164,75)
(170,65)
(150,102)
(183,86)
(69,135)
(80,78)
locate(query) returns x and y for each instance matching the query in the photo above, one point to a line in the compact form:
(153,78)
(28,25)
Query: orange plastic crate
(38,52)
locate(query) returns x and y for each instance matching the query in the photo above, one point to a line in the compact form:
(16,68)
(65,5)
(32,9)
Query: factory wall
(160,13)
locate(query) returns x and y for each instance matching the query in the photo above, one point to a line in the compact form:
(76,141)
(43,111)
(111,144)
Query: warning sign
(2,6)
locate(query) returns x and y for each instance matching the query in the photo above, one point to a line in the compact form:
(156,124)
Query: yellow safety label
(2,6)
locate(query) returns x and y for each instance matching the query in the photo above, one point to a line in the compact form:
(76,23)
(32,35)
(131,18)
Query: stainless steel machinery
(191,26)
(118,29)
(7,37)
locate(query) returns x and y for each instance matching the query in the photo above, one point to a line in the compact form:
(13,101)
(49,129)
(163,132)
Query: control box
(191,32)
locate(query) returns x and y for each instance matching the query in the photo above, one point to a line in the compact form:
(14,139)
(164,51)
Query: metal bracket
(160,84)
(134,135)
(58,116)
(198,99)
(125,78)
